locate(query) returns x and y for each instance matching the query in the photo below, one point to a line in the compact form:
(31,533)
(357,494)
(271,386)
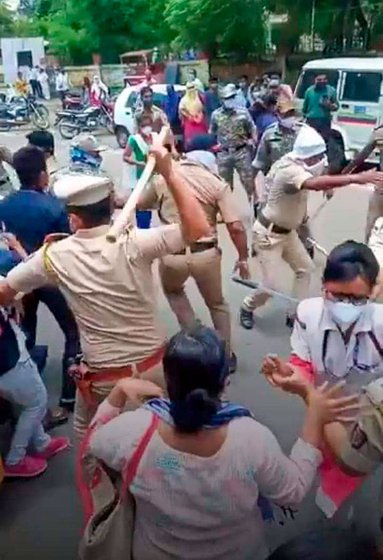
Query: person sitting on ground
(330,543)
(182,511)
(336,337)
(21,384)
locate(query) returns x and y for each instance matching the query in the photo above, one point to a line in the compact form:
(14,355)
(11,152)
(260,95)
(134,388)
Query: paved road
(41,518)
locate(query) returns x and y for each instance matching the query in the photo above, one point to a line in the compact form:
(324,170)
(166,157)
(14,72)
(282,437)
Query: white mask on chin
(345,314)
(288,122)
(146,130)
(229,103)
(318,168)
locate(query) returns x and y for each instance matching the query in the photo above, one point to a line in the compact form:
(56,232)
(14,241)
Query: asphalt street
(42,519)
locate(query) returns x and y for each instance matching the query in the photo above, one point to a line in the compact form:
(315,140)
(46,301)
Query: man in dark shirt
(31,214)
(212,101)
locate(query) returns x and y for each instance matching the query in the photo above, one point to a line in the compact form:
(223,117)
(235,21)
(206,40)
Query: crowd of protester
(206,472)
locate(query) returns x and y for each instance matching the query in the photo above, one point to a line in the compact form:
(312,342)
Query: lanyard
(355,353)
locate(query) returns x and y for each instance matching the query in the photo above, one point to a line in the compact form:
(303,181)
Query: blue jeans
(23,385)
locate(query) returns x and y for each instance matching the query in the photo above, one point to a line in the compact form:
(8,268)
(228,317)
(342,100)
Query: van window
(362,86)
(131,102)
(307,79)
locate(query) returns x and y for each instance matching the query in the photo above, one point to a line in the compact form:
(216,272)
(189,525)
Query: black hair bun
(191,414)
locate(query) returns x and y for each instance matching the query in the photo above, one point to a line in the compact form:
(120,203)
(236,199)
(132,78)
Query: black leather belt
(199,247)
(234,148)
(267,223)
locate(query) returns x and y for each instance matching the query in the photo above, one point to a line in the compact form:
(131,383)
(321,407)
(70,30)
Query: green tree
(6,20)
(218,25)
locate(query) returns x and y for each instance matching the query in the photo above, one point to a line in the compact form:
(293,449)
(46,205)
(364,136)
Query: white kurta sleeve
(284,480)
(115,442)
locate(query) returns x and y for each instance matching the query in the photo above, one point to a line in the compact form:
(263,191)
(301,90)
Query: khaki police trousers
(271,249)
(205,269)
(375,211)
(84,412)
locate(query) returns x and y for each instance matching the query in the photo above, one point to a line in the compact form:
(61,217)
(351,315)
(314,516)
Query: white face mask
(229,103)
(318,168)
(345,314)
(146,130)
(289,122)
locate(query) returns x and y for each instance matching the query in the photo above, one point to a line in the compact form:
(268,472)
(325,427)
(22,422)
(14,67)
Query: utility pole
(312,25)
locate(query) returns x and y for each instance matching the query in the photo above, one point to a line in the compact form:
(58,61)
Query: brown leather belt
(267,223)
(199,247)
(84,377)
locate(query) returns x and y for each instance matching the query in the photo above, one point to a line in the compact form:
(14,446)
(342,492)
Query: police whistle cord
(258,286)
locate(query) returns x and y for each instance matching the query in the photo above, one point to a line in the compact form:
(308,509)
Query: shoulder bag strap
(131,467)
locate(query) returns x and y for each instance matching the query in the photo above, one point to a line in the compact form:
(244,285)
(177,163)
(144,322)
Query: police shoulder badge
(358,438)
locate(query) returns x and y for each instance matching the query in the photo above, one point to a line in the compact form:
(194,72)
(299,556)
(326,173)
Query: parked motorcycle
(73,101)
(88,120)
(21,111)
(68,114)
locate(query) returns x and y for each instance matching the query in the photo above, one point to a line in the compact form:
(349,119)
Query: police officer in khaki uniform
(375,207)
(275,230)
(360,449)
(277,141)
(109,287)
(202,260)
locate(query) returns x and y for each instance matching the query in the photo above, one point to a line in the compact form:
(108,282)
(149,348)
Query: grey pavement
(42,519)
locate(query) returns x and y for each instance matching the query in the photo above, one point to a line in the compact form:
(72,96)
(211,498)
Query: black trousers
(57,305)
(35,87)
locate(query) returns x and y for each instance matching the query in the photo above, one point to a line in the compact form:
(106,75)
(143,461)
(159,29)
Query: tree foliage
(218,25)
(77,29)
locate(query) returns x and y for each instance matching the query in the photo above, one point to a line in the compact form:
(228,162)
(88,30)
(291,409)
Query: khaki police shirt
(109,288)
(213,194)
(376,241)
(286,204)
(364,450)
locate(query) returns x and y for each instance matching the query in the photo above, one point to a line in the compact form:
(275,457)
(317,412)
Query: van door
(359,106)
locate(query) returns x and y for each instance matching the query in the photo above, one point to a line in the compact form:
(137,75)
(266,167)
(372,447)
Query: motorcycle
(21,111)
(88,120)
(68,114)
(72,101)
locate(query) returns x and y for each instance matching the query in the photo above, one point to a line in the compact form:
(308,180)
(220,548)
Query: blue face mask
(345,314)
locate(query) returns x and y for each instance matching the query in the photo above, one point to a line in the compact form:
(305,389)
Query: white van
(358,82)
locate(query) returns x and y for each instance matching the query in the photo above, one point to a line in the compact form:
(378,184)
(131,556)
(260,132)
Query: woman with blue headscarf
(206,460)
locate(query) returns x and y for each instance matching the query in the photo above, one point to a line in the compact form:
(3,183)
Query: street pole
(312,25)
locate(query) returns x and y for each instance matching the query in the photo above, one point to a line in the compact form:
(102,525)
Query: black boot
(246,318)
